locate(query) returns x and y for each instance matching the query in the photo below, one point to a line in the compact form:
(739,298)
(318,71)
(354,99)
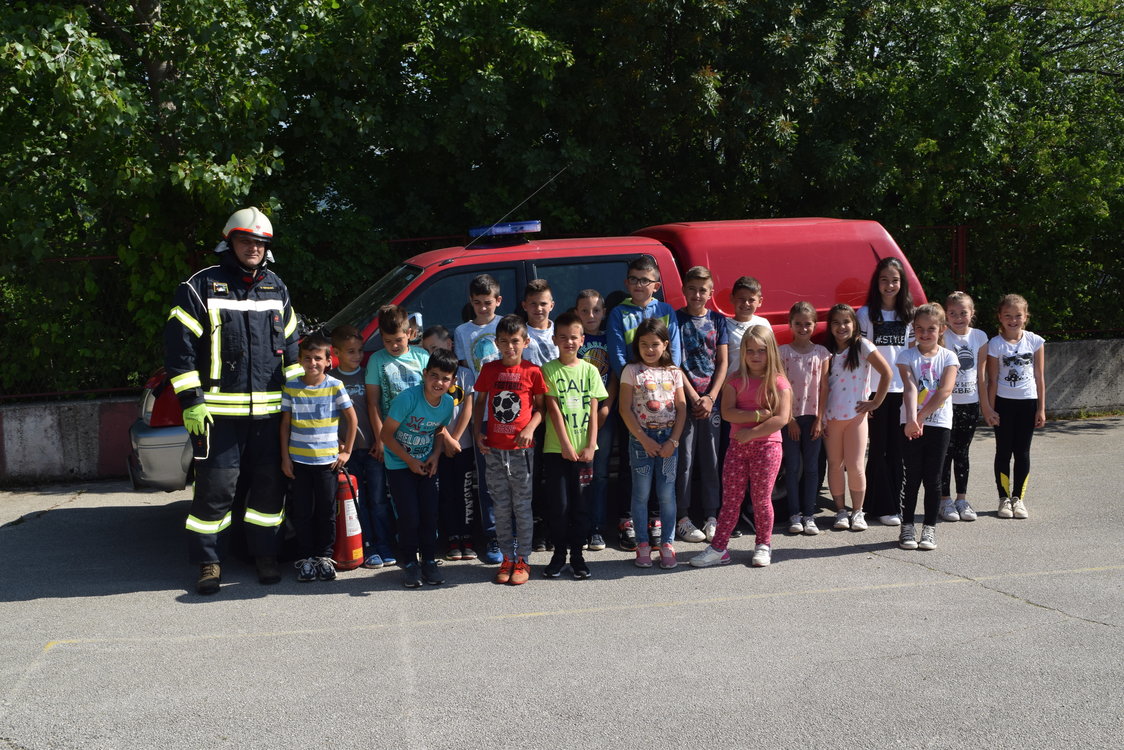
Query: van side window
(567,280)
(444,300)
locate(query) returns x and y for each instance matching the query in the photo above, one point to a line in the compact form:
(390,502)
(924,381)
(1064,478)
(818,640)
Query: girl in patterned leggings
(757,402)
(970,347)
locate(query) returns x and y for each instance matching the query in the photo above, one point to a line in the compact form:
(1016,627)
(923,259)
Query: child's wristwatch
(674,442)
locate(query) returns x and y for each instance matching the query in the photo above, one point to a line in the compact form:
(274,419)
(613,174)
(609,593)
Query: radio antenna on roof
(516,208)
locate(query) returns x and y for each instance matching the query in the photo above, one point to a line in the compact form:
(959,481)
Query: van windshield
(366,306)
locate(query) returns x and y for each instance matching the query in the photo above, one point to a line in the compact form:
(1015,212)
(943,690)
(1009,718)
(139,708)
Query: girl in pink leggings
(757,402)
(845,387)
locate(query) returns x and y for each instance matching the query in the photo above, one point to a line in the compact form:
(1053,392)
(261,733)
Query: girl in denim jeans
(654,410)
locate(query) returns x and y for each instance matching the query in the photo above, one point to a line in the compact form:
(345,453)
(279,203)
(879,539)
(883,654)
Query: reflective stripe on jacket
(231,340)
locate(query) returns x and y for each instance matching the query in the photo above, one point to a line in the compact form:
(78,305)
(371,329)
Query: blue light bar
(507,228)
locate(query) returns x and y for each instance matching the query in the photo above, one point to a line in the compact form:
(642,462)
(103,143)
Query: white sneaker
(965,511)
(688,532)
(1005,510)
(891,520)
(928,538)
(1018,508)
(762,556)
(858,521)
(842,520)
(810,528)
(948,510)
(709,557)
(795,524)
(710,528)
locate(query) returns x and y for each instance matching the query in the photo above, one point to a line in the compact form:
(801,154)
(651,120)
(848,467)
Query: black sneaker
(553,569)
(431,573)
(627,535)
(268,574)
(580,568)
(306,569)
(411,575)
(325,569)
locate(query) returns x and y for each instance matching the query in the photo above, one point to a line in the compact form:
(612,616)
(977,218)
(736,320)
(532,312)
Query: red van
(823,261)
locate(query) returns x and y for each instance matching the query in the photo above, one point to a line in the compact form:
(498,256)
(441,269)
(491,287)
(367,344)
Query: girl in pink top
(802,438)
(845,386)
(757,402)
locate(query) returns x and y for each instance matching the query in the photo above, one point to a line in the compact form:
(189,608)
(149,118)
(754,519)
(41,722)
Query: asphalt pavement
(1008,635)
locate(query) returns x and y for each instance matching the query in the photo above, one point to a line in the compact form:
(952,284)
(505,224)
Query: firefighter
(230,345)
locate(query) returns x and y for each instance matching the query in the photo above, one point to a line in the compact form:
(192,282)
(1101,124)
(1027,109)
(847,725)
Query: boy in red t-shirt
(511,389)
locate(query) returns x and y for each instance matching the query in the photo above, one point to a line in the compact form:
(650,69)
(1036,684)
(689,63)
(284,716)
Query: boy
(642,282)
(391,370)
(475,340)
(745,298)
(511,391)
(590,307)
(538,301)
(475,346)
(311,453)
(375,519)
(574,389)
(454,468)
(412,433)
(705,356)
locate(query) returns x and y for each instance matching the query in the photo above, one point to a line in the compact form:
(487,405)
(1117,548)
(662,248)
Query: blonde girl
(928,373)
(654,410)
(846,388)
(757,402)
(970,347)
(1016,400)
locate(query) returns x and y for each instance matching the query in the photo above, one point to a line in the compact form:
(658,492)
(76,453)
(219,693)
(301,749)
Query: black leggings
(965,417)
(1012,437)
(924,457)
(884,465)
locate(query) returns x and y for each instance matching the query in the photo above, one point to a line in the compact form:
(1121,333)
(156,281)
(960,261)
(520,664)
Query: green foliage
(130,130)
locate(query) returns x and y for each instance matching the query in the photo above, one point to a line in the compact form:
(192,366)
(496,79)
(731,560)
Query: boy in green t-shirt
(574,387)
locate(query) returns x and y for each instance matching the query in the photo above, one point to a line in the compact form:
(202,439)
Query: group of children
(530,408)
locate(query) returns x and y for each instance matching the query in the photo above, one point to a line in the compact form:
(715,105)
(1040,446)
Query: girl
(928,374)
(802,438)
(885,322)
(844,388)
(757,402)
(969,345)
(654,410)
(1016,400)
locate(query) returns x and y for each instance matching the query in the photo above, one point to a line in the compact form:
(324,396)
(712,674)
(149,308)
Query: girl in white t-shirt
(885,321)
(928,374)
(1016,400)
(970,347)
(845,389)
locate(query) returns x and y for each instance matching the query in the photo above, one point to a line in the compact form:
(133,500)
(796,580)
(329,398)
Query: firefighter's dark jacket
(231,340)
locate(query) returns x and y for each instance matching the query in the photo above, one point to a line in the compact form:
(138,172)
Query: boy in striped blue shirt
(311,454)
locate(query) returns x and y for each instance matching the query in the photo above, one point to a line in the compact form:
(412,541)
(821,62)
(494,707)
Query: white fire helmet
(251,222)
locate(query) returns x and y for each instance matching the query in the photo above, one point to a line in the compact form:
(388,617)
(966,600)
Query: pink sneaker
(667,557)
(643,555)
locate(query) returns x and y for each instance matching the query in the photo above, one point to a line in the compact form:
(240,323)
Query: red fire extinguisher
(348,550)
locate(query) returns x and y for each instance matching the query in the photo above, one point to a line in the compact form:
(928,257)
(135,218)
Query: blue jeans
(599,490)
(802,456)
(376,516)
(643,469)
